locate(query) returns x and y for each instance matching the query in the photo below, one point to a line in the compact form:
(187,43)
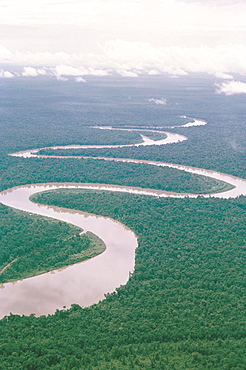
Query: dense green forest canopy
(71,109)
(34,170)
(31,245)
(184,306)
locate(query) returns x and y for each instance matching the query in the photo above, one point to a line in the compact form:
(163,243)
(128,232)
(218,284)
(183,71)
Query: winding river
(87,282)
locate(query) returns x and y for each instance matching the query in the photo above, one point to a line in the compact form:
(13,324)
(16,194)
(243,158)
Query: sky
(73,39)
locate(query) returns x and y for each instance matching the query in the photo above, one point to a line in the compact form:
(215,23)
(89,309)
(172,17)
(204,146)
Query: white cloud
(232,88)
(67,70)
(126,73)
(159,22)
(219,60)
(60,78)
(143,57)
(30,72)
(80,79)
(130,59)
(76,38)
(78,72)
(161,101)
(223,76)
(6,74)
(41,71)
(33,72)
(153,72)
(5,54)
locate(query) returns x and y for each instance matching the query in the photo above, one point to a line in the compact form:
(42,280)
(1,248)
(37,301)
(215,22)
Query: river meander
(87,282)
(84,283)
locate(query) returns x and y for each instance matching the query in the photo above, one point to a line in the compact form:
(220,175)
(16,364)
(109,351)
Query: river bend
(87,282)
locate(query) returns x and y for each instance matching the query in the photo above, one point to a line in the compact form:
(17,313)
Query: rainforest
(182,305)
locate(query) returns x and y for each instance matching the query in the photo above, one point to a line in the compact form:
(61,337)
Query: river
(87,282)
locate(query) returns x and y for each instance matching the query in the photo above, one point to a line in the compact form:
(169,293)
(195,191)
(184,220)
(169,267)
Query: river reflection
(84,283)
(87,282)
